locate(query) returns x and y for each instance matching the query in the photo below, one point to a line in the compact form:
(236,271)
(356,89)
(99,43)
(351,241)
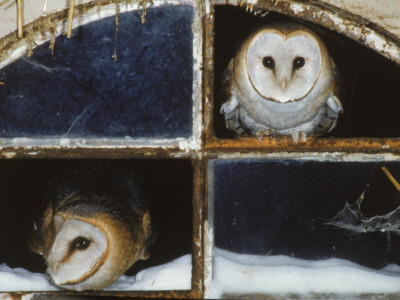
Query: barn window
(137,85)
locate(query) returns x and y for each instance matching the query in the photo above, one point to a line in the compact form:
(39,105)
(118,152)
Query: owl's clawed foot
(299,136)
(265,133)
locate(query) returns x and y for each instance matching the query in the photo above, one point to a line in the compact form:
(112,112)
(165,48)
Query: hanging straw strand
(20,32)
(70,17)
(391,178)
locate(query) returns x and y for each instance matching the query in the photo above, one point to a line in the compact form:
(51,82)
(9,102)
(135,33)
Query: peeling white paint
(207,5)
(9,154)
(107,143)
(297,8)
(28,296)
(183,144)
(18,140)
(318,156)
(64,142)
(208,259)
(34,9)
(252,2)
(209,230)
(189,145)
(350,28)
(367,36)
(384,13)
(197,129)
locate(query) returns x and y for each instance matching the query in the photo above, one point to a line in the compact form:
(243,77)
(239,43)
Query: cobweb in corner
(351,218)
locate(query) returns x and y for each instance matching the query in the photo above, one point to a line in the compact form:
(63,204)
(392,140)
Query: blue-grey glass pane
(82,91)
(284,207)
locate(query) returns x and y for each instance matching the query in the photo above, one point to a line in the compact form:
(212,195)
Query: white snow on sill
(278,275)
(239,274)
(19,279)
(175,275)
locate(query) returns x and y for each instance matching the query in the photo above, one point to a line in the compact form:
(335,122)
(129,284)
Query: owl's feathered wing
(331,114)
(230,109)
(40,227)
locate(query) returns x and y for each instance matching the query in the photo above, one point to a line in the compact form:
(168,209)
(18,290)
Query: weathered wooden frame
(204,146)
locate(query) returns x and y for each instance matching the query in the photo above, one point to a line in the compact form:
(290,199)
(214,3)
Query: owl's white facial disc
(77,253)
(283,68)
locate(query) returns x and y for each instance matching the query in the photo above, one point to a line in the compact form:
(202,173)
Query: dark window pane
(82,91)
(284,207)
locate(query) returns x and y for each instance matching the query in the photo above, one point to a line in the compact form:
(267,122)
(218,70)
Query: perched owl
(281,81)
(93,227)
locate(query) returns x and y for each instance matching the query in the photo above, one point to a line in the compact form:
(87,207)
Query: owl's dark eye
(298,62)
(268,62)
(80,243)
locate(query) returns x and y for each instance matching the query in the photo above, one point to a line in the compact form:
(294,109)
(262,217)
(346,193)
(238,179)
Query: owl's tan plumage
(281,81)
(94,228)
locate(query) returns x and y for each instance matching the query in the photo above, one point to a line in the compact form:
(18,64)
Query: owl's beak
(282,77)
(283,84)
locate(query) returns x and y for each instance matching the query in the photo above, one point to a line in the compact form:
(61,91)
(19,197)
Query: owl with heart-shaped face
(93,227)
(281,81)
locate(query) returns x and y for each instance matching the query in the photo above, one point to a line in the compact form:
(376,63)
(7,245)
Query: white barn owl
(281,81)
(93,227)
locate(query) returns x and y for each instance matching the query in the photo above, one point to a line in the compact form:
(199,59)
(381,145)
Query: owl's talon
(303,136)
(270,133)
(299,136)
(295,137)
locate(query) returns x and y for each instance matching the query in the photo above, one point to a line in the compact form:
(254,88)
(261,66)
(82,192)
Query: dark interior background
(82,91)
(281,207)
(167,183)
(369,83)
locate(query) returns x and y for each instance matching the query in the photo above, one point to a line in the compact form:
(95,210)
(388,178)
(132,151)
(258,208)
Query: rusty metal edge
(313,296)
(198,230)
(285,144)
(92,153)
(208,73)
